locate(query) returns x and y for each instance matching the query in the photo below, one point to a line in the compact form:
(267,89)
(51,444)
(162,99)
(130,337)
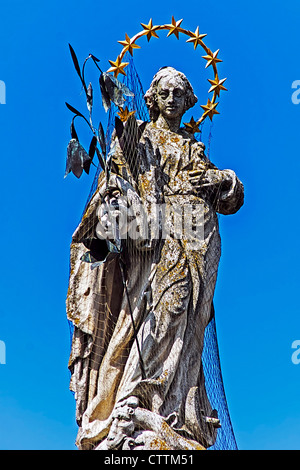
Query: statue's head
(170,93)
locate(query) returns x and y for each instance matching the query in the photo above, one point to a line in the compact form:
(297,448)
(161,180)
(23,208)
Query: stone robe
(170,286)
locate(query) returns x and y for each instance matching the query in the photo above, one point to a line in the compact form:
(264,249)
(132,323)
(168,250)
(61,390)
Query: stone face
(139,318)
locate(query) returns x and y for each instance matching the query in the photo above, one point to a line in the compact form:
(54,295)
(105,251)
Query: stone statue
(139,317)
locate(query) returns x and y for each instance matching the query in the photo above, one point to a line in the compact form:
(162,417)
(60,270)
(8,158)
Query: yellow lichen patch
(162,139)
(163,377)
(145,181)
(159,444)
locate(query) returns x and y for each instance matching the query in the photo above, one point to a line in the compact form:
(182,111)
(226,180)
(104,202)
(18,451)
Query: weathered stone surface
(149,391)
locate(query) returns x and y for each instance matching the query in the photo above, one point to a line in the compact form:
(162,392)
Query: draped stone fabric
(170,286)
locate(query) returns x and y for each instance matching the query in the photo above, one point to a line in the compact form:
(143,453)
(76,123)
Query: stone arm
(222,187)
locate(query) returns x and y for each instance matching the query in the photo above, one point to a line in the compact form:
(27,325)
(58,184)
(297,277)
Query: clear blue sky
(256,134)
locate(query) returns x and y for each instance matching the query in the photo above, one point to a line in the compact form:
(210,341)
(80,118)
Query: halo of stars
(149,30)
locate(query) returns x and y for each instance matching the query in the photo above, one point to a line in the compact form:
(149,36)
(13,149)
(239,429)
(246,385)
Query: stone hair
(150,96)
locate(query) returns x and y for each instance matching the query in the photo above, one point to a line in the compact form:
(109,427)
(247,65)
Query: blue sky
(256,134)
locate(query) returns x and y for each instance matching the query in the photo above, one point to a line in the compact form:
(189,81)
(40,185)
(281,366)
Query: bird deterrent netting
(95,338)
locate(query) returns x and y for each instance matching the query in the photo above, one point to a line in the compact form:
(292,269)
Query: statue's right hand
(112,214)
(108,214)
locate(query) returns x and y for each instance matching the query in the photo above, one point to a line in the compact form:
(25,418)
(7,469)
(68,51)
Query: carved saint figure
(139,318)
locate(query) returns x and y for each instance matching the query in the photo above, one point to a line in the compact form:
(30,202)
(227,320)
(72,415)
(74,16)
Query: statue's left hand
(202,179)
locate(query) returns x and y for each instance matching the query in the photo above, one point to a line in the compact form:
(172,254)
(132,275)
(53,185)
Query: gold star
(211,58)
(196,38)
(124,113)
(192,126)
(117,66)
(128,45)
(217,85)
(149,30)
(209,109)
(174,27)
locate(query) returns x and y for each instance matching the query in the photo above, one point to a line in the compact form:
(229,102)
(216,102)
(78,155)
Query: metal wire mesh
(210,355)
